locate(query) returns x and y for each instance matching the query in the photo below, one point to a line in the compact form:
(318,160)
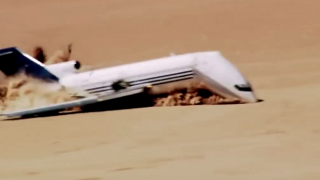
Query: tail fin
(13,61)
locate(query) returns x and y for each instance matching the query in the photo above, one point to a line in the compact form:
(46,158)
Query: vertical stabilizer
(13,61)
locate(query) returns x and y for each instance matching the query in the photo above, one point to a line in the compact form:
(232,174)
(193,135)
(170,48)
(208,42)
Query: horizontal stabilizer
(52,108)
(75,103)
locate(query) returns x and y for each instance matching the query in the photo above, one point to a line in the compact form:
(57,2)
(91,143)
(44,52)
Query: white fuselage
(211,67)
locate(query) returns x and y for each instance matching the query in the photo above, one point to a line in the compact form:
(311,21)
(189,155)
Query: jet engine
(64,69)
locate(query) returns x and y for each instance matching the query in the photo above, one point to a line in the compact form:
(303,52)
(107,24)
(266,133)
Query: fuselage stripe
(147,80)
(153,81)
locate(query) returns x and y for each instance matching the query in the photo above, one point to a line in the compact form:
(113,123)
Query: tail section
(13,61)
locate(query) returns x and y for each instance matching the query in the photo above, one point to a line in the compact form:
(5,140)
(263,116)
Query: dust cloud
(21,91)
(24,92)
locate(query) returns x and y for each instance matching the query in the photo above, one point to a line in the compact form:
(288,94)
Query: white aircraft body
(220,76)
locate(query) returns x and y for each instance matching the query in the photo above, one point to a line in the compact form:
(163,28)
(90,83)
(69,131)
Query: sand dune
(275,43)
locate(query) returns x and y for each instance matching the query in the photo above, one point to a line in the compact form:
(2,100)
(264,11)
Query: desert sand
(274,43)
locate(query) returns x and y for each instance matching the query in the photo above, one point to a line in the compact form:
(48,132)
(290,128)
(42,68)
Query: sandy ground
(275,43)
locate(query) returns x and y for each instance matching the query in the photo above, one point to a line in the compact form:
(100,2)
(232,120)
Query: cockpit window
(243,87)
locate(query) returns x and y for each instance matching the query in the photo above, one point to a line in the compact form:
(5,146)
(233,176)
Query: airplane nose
(250,97)
(246,92)
(223,77)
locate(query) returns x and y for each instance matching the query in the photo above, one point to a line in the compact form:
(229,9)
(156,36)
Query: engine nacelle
(64,69)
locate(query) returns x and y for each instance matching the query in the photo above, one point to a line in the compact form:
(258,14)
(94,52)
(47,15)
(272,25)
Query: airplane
(108,83)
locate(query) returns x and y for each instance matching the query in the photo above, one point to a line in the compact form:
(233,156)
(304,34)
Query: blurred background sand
(275,43)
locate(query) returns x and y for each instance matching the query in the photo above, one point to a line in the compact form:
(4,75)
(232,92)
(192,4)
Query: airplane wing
(80,102)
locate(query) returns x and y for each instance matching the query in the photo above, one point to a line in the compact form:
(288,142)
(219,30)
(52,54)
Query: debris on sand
(194,92)
(196,97)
